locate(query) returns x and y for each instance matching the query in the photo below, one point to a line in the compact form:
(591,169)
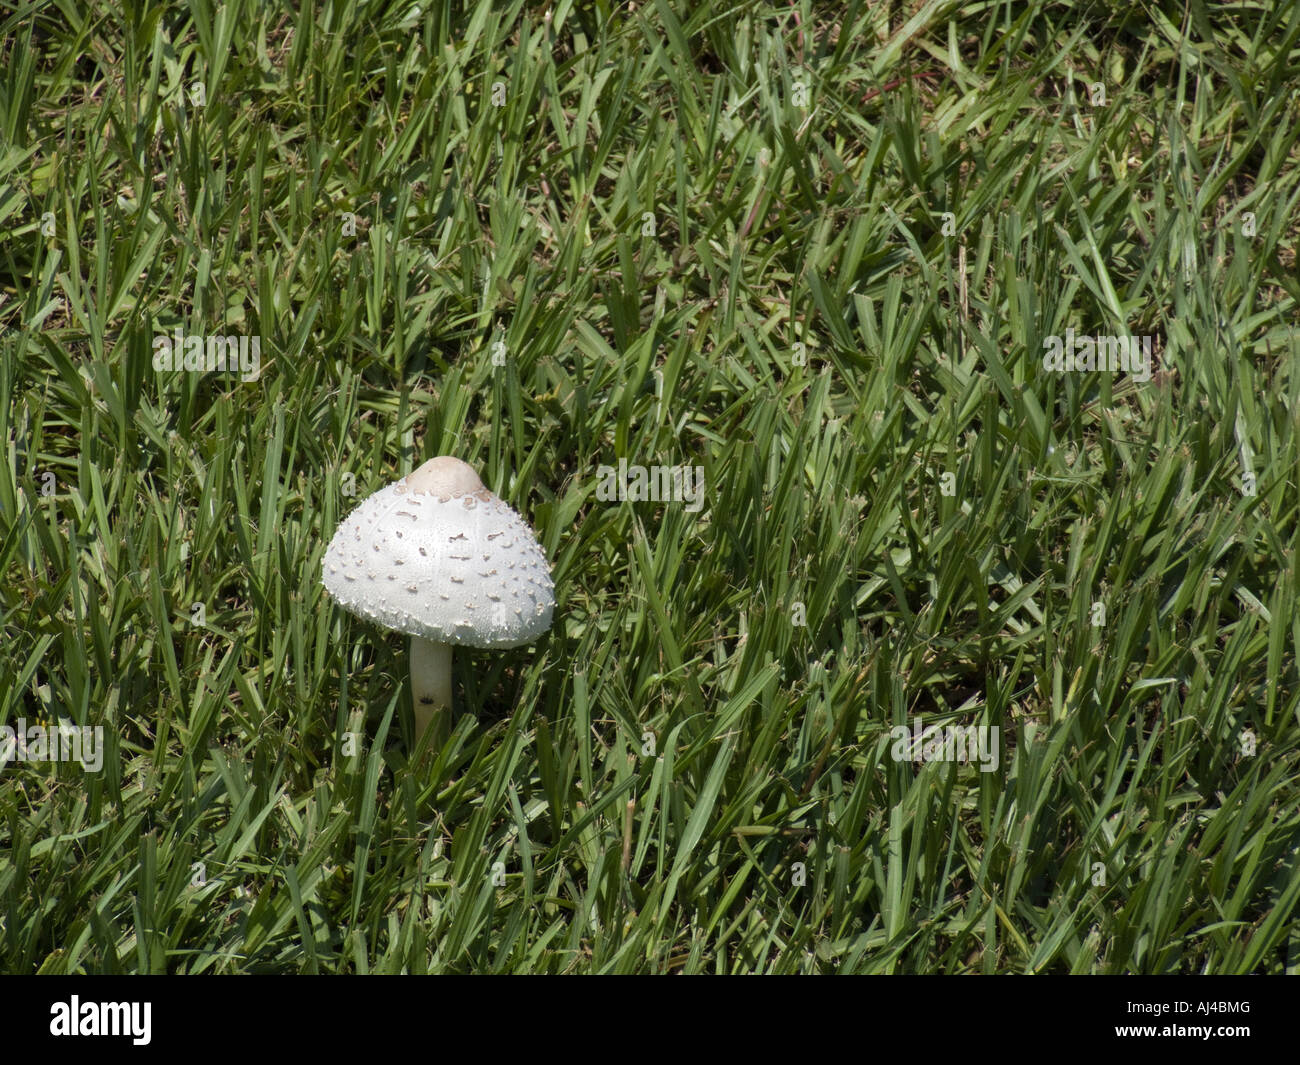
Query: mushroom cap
(437,555)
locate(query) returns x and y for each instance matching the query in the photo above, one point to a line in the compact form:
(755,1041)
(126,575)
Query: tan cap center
(445,477)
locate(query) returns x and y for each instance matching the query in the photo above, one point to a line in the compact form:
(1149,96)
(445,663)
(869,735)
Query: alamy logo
(102,1018)
(658,484)
(1127,354)
(946,743)
(200,353)
(63,742)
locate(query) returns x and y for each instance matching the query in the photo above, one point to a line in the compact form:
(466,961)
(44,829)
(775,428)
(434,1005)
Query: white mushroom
(439,557)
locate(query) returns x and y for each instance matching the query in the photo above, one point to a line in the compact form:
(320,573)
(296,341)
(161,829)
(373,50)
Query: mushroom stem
(430,683)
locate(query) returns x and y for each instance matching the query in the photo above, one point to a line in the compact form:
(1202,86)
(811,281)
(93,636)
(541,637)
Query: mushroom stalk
(430,683)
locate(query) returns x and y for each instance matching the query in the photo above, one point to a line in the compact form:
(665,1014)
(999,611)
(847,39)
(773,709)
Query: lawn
(817,264)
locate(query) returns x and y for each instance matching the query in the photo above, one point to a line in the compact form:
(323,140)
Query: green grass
(651,231)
